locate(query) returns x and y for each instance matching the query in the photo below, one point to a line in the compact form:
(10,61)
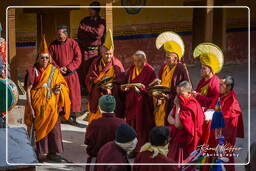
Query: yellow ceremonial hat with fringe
(210,55)
(109,43)
(43,46)
(171,42)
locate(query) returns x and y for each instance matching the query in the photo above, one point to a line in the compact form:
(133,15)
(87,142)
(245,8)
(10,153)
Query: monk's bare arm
(177,122)
(29,100)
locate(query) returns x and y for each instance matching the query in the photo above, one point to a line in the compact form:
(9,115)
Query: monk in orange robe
(105,66)
(47,100)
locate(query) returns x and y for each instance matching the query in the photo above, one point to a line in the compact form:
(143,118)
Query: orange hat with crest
(43,50)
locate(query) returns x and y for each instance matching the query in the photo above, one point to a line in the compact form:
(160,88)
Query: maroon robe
(208,102)
(52,143)
(146,157)
(180,74)
(101,131)
(95,92)
(90,34)
(111,153)
(185,140)
(68,55)
(139,108)
(233,122)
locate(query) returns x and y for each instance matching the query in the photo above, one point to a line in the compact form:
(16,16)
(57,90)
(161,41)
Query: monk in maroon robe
(232,115)
(66,56)
(139,106)
(90,36)
(155,152)
(105,66)
(102,130)
(186,120)
(207,93)
(116,151)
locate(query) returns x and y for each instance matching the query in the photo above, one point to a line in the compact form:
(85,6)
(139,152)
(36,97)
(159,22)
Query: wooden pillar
(109,15)
(219,27)
(208,22)
(12,44)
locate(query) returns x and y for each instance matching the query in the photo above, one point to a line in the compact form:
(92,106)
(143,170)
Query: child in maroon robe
(102,130)
(232,115)
(116,151)
(186,121)
(155,151)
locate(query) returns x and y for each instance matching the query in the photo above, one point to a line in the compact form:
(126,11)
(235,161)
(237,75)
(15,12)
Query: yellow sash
(136,72)
(204,90)
(46,103)
(166,81)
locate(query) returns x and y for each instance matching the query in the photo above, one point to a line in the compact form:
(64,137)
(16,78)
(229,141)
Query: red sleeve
(91,76)
(92,32)
(89,139)
(51,52)
(188,124)
(29,78)
(210,100)
(76,59)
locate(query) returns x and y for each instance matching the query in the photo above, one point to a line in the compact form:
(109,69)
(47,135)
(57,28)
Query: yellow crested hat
(43,46)
(171,42)
(109,43)
(210,55)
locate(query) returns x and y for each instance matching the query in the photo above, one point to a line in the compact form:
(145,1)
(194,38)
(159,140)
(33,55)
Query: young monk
(186,120)
(155,151)
(102,130)
(232,114)
(47,100)
(105,66)
(138,104)
(116,151)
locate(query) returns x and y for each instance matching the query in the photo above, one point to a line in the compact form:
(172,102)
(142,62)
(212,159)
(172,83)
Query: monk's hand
(176,101)
(57,88)
(124,88)
(32,112)
(155,82)
(194,93)
(170,119)
(63,70)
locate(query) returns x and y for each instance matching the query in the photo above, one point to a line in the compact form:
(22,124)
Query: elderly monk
(90,36)
(155,151)
(105,66)
(186,122)
(102,130)
(47,100)
(232,115)
(116,151)
(207,91)
(66,55)
(138,104)
(171,73)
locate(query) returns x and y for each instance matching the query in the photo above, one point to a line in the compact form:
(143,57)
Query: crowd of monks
(134,113)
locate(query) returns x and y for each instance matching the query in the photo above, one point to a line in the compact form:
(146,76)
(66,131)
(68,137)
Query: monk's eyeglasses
(44,57)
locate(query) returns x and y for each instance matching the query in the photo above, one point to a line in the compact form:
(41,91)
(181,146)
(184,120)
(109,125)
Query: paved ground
(73,136)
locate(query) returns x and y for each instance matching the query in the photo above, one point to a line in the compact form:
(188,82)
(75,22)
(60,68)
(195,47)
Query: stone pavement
(73,137)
